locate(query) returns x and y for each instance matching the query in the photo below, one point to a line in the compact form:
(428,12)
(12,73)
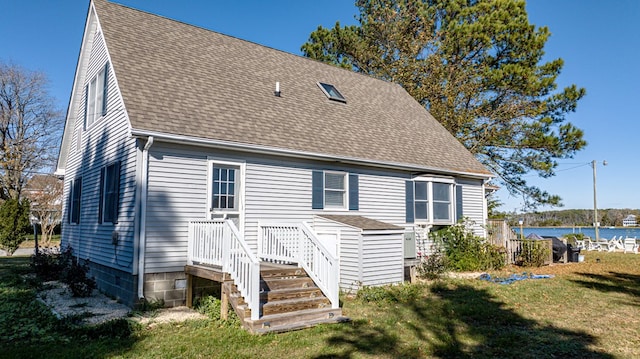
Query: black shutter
(116,199)
(410,215)
(317,190)
(105,89)
(101,198)
(77,196)
(69,202)
(459,213)
(354,201)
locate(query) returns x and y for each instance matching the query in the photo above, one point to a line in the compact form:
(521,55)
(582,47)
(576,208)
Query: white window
(225,188)
(421,201)
(335,190)
(430,202)
(96,97)
(441,202)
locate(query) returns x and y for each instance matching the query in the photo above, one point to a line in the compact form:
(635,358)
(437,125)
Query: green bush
(467,252)
(211,307)
(534,253)
(401,293)
(433,265)
(47,265)
(14,224)
(573,237)
(65,267)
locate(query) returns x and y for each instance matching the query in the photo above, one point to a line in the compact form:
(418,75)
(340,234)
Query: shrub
(14,224)
(47,265)
(467,252)
(573,237)
(211,307)
(433,265)
(401,293)
(64,266)
(533,254)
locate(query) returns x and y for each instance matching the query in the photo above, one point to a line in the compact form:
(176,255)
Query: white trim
(430,201)
(143,215)
(241,178)
(345,194)
(229,145)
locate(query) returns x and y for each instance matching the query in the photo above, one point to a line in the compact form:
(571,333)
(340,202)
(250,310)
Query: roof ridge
(247,41)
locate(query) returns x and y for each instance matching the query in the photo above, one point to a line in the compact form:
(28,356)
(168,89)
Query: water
(605,232)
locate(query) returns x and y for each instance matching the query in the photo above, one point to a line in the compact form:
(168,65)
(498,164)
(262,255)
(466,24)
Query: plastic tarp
(513,278)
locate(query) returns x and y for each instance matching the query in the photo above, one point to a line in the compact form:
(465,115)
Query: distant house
(629,221)
(187,153)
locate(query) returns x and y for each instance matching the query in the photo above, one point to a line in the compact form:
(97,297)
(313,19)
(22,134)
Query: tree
(45,194)
(476,65)
(29,128)
(14,224)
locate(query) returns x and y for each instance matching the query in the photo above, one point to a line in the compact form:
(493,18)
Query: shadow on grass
(29,330)
(458,322)
(613,282)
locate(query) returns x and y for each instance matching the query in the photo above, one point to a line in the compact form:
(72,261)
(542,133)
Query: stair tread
(296,300)
(298,313)
(301,325)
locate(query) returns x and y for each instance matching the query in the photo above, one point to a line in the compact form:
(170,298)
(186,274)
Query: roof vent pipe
(277,92)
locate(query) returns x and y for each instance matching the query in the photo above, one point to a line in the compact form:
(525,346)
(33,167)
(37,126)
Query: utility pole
(595,202)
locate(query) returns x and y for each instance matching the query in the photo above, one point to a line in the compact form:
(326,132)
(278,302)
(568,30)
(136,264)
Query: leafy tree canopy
(476,65)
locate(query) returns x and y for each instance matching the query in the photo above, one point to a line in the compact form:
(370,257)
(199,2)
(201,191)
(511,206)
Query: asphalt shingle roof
(184,80)
(360,222)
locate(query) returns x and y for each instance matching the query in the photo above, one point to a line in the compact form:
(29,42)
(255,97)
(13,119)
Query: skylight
(331,92)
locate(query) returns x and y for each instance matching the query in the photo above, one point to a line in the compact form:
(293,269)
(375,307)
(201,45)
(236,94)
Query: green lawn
(589,310)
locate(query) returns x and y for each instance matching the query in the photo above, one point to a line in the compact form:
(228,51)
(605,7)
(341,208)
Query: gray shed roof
(360,222)
(191,82)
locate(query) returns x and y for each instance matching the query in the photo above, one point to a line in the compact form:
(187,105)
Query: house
(185,150)
(629,221)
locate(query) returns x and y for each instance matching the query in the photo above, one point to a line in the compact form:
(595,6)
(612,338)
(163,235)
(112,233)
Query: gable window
(95,104)
(331,92)
(335,190)
(109,193)
(429,201)
(75,189)
(225,188)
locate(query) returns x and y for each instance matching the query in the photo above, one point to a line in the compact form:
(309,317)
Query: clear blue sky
(598,40)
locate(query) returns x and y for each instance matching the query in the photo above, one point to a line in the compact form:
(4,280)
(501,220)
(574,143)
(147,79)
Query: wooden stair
(289,300)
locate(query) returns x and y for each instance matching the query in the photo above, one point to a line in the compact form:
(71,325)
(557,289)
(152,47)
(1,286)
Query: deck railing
(205,242)
(278,243)
(297,243)
(218,242)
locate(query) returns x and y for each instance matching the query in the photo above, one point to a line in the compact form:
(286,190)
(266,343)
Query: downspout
(143,215)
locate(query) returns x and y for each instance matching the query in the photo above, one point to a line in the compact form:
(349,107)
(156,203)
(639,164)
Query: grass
(31,243)
(589,310)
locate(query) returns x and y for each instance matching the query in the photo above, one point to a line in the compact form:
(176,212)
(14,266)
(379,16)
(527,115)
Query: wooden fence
(501,235)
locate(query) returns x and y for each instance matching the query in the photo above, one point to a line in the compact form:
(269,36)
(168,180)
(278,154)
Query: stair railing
(243,267)
(319,263)
(297,243)
(218,242)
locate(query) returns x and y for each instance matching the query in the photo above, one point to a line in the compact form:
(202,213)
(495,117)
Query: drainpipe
(143,215)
